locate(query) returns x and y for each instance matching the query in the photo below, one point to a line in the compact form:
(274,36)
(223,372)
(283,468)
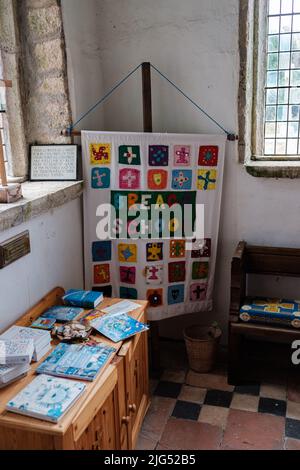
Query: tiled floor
(201,411)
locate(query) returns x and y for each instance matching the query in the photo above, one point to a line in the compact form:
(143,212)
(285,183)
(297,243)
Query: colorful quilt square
(130,179)
(176,294)
(177,248)
(208,155)
(106,290)
(155,297)
(154,275)
(198,292)
(158,155)
(207,180)
(177,272)
(101,274)
(128,293)
(200,270)
(127,253)
(157,179)
(127,274)
(182,179)
(202,249)
(129,155)
(154,251)
(101,251)
(100,178)
(182,155)
(100,154)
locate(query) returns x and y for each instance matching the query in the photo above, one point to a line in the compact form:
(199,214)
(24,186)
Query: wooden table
(110,412)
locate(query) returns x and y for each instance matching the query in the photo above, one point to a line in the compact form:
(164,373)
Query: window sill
(38,198)
(274,169)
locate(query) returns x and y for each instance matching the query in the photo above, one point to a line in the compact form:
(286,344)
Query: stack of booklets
(40,338)
(76,361)
(9,374)
(46,398)
(82,298)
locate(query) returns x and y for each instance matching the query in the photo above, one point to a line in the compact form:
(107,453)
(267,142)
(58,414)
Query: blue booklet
(43,323)
(82,298)
(76,361)
(118,327)
(46,398)
(63,314)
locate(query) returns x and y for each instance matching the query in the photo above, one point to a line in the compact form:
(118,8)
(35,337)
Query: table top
(7,393)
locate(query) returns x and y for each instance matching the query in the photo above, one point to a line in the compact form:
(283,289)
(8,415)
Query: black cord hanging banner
(71,130)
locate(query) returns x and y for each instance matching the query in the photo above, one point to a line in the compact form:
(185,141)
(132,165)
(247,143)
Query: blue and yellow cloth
(270,310)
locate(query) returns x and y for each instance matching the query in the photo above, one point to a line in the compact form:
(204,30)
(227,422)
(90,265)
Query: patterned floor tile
(157,416)
(271,406)
(218,398)
(168,389)
(180,434)
(192,394)
(292,428)
(186,410)
(278,392)
(214,415)
(293,410)
(253,431)
(213,381)
(177,376)
(245,402)
(248,389)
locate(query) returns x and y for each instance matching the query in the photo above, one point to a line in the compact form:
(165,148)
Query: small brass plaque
(15,248)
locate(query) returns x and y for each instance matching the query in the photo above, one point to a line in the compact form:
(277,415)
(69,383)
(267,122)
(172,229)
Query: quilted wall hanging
(175,276)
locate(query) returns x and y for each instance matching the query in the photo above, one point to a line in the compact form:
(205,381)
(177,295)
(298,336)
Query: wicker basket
(202,347)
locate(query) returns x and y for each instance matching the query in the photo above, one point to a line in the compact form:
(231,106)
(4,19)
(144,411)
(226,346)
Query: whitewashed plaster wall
(55,260)
(195,43)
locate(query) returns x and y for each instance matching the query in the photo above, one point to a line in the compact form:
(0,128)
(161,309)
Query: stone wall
(40,74)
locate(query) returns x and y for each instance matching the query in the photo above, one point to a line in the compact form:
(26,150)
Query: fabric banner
(156,187)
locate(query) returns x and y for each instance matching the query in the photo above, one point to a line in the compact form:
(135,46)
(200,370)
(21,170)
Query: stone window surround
(38,105)
(252,45)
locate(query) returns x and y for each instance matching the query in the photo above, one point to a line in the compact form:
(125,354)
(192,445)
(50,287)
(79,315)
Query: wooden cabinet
(109,414)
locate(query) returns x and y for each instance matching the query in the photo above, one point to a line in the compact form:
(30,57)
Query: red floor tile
(181,434)
(253,431)
(158,414)
(292,444)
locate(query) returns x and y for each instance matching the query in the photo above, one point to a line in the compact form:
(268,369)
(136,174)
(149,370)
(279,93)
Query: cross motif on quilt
(207,180)
(198,291)
(98,177)
(130,155)
(183,156)
(153,270)
(130,179)
(102,154)
(181,179)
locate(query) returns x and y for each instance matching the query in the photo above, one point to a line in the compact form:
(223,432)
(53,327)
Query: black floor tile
(168,389)
(292,428)
(271,406)
(218,398)
(186,410)
(248,389)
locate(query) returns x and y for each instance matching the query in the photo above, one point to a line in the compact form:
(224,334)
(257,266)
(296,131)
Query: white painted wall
(195,43)
(55,260)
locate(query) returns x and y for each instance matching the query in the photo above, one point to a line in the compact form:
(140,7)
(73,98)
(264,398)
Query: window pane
(285,42)
(270,129)
(281,129)
(286,6)
(284,60)
(296,42)
(270,113)
(271,96)
(286,24)
(295,60)
(280,146)
(272,61)
(273,43)
(292,146)
(283,96)
(272,79)
(283,78)
(296,6)
(274,25)
(282,112)
(295,77)
(274,7)
(294,113)
(295,96)
(296,23)
(269,146)
(293,129)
